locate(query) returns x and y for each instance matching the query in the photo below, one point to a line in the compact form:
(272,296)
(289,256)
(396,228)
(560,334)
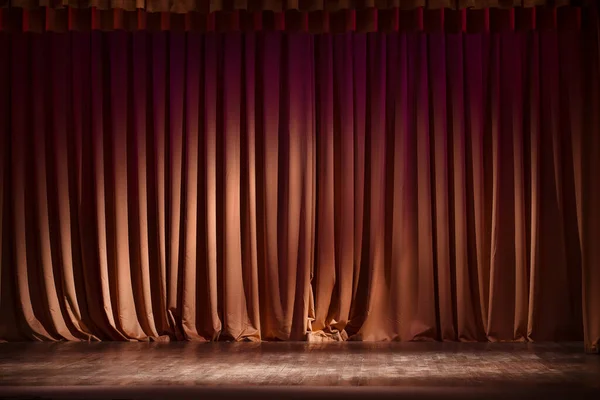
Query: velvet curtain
(288,186)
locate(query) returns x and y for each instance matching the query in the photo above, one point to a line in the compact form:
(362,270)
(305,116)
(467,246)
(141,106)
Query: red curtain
(470,20)
(246,186)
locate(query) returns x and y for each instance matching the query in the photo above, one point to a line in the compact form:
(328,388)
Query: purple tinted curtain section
(284,186)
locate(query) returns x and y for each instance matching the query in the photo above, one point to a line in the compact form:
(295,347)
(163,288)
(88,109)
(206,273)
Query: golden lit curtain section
(288,186)
(173,192)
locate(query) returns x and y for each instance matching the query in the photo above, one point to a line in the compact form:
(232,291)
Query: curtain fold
(287,186)
(590,165)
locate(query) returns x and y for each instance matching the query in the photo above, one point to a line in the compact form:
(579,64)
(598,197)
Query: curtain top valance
(208,6)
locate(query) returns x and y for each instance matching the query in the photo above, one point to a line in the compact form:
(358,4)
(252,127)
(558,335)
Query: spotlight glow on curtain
(290,186)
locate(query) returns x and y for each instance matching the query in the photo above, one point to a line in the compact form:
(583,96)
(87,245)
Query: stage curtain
(293,16)
(208,6)
(279,186)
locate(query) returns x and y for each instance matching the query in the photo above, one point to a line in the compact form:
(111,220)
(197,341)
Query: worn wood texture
(473,366)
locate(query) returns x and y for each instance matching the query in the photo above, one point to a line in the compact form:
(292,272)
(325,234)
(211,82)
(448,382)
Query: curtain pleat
(589,197)
(287,186)
(6,306)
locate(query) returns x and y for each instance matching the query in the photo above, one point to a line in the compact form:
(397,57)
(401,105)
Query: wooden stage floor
(298,370)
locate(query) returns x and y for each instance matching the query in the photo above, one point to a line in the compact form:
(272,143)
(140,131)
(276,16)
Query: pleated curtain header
(295,16)
(209,6)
